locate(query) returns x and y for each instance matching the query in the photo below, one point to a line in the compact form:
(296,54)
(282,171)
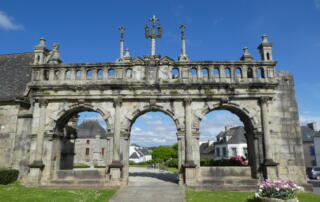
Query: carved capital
(43,102)
(265,99)
(187,101)
(224,100)
(118,101)
(153,102)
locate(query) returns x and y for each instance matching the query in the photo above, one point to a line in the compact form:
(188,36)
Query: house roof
(145,151)
(15,73)
(206,148)
(308,133)
(235,134)
(89,128)
(134,155)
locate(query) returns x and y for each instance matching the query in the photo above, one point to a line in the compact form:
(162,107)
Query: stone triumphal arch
(121,91)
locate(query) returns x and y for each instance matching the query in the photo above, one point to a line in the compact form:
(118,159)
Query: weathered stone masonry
(33,117)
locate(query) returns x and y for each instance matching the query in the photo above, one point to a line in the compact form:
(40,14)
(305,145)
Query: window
(245,152)
(129,73)
(216,71)
(102,151)
(88,141)
(87,151)
(224,152)
(218,151)
(268,56)
(175,73)
(234,151)
(100,73)
(89,73)
(78,74)
(46,75)
(312,151)
(249,73)
(193,71)
(261,73)
(227,72)
(111,72)
(239,72)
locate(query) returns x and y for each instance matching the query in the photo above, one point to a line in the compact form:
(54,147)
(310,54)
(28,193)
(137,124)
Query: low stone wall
(225,171)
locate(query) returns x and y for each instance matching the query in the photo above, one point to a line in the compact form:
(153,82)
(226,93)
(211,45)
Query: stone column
(268,161)
(37,165)
(116,165)
(189,166)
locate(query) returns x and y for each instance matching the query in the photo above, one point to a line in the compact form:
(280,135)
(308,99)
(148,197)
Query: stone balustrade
(191,72)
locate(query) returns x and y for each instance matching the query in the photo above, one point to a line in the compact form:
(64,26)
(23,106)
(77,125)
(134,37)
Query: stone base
(265,199)
(190,176)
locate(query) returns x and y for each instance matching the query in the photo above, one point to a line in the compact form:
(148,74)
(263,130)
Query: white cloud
(146,117)
(306,118)
(7,23)
(317,3)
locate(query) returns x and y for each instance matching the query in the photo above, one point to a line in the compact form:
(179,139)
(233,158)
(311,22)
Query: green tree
(162,154)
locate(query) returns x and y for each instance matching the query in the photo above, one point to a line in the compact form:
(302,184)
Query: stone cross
(154,34)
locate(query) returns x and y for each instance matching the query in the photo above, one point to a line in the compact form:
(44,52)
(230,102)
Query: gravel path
(150,185)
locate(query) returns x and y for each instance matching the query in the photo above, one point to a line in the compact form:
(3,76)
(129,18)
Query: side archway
(251,127)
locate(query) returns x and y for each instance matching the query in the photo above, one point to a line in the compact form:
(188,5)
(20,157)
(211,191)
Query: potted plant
(277,191)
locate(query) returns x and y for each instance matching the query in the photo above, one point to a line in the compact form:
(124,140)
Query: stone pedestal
(190,175)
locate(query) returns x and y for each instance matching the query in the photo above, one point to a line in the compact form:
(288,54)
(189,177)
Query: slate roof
(145,151)
(308,134)
(236,135)
(89,128)
(134,155)
(15,73)
(205,148)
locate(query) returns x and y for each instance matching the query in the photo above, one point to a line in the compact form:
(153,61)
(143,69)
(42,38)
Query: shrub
(172,163)
(8,176)
(279,189)
(233,161)
(97,166)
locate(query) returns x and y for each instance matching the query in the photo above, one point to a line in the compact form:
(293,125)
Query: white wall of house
(229,150)
(316,141)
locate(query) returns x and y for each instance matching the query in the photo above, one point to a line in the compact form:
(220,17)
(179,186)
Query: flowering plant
(240,159)
(280,189)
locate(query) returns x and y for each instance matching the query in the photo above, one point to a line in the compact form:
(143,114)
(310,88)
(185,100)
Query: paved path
(150,185)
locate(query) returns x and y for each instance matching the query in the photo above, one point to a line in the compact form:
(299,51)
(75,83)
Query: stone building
(39,95)
(207,149)
(90,144)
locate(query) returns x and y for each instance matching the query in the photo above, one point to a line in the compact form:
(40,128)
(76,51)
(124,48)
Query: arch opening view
(153,148)
(226,143)
(82,141)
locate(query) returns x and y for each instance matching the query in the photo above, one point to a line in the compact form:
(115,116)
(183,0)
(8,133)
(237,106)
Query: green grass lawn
(223,196)
(15,192)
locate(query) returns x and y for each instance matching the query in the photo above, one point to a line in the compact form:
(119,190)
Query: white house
(231,142)
(139,154)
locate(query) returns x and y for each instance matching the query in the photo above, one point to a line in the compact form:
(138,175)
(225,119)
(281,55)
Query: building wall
(228,148)
(316,141)
(94,146)
(309,154)
(8,124)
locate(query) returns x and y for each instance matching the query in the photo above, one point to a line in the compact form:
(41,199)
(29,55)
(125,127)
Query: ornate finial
(122,29)
(182,27)
(183,57)
(42,42)
(156,32)
(246,55)
(265,38)
(127,53)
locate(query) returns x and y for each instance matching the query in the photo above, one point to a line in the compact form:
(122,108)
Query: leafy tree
(162,153)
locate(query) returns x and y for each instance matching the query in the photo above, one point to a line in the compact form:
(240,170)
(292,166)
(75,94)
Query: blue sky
(216,30)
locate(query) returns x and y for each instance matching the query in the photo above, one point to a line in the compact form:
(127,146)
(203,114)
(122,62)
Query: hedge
(8,176)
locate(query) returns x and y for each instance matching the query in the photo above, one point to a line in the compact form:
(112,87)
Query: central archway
(154,132)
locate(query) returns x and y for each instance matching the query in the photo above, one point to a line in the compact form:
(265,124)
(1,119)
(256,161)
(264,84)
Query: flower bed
(277,190)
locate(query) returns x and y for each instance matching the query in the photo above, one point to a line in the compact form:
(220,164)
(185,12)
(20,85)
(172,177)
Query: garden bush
(223,162)
(8,176)
(172,163)
(81,166)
